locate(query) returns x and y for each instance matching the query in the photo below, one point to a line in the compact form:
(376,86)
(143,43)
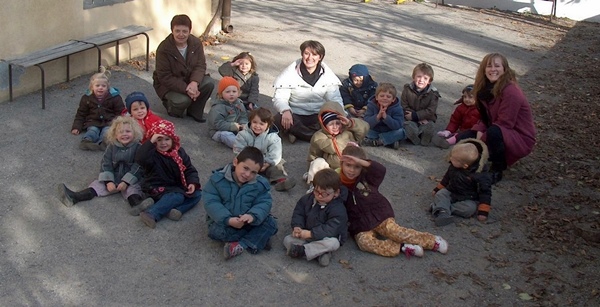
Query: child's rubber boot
(69,198)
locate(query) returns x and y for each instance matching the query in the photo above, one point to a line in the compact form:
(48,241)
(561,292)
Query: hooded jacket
(329,147)
(463,117)
(423,105)
(224,115)
(354,97)
(330,220)
(173,73)
(92,113)
(393,121)
(293,93)
(268,142)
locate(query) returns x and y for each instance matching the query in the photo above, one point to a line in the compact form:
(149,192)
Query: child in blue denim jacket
(238,204)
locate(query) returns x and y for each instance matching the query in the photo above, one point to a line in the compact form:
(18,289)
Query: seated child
(243,69)
(371,216)
(466,187)
(319,221)
(420,100)
(137,106)
(463,118)
(385,117)
(357,89)
(238,204)
(336,132)
(264,136)
(97,108)
(118,170)
(227,115)
(169,176)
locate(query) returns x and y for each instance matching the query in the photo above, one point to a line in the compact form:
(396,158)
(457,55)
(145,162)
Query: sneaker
(200,120)
(440,142)
(311,188)
(102,146)
(174,215)
(148,219)
(292,138)
(88,145)
(371,142)
(305,176)
(412,250)
(325,259)
(443,218)
(285,184)
(427,134)
(269,245)
(396,145)
(440,245)
(232,249)
(145,204)
(65,195)
(496,177)
(412,133)
(296,251)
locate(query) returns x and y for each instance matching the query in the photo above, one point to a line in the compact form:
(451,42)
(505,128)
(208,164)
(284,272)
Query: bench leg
(117,52)
(10,81)
(43,85)
(147,50)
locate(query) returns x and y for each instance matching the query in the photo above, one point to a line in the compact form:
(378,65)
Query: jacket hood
(481,148)
(361,71)
(330,106)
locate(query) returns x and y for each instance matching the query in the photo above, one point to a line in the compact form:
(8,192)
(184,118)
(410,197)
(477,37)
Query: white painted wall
(588,10)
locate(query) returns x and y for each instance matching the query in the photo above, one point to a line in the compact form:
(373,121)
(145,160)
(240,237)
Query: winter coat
(292,92)
(118,164)
(268,142)
(423,105)
(512,114)
(393,121)
(92,113)
(161,173)
(366,206)
(225,198)
(473,183)
(329,147)
(248,83)
(173,73)
(330,220)
(145,123)
(224,115)
(357,98)
(463,118)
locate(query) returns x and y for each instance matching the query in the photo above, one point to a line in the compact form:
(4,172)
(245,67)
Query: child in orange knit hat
(227,114)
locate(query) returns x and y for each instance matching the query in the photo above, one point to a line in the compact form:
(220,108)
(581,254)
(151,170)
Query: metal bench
(56,52)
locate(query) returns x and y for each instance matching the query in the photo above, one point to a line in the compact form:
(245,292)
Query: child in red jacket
(139,108)
(463,118)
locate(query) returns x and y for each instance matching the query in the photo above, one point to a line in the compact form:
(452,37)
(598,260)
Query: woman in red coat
(506,124)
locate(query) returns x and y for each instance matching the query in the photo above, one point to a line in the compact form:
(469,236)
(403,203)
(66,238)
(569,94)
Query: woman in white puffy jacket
(300,91)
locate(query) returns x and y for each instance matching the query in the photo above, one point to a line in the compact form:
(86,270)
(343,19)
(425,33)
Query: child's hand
(237,62)
(482,218)
(352,111)
(360,113)
(235,222)
(444,133)
(423,122)
(344,120)
(75,132)
(155,137)
(190,189)
(122,186)
(305,234)
(111,187)
(408,115)
(296,232)
(246,218)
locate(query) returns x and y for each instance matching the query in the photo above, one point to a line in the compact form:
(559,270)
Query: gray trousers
(313,249)
(442,200)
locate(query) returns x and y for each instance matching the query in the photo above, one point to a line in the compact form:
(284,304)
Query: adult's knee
(494,134)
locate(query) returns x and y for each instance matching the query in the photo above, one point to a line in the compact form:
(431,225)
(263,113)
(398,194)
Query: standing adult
(300,91)
(506,124)
(180,78)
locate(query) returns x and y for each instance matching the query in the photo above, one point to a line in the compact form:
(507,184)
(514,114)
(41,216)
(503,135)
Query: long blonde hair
(117,125)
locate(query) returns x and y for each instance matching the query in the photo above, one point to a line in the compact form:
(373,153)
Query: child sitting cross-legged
(385,117)
(227,115)
(466,188)
(319,220)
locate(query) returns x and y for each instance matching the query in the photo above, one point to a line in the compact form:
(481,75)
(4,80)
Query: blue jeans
(173,200)
(389,137)
(95,134)
(225,137)
(252,238)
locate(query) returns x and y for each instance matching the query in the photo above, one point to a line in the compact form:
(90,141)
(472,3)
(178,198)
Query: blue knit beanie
(358,70)
(133,97)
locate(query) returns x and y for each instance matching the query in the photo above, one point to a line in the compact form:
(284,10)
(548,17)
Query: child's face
(468,99)
(230,94)
(351,169)
(385,99)
(164,143)
(100,88)
(358,81)
(139,110)
(324,196)
(245,170)
(125,134)
(258,126)
(494,69)
(310,59)
(334,127)
(421,80)
(245,66)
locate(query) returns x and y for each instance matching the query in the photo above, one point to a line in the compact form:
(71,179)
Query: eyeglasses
(323,194)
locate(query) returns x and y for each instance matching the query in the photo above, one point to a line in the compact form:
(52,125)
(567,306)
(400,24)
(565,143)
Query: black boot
(69,198)
(139,204)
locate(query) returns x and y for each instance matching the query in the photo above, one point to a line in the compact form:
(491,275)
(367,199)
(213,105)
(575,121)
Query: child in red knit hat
(227,115)
(169,176)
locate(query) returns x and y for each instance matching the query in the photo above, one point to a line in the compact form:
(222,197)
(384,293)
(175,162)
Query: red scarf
(167,128)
